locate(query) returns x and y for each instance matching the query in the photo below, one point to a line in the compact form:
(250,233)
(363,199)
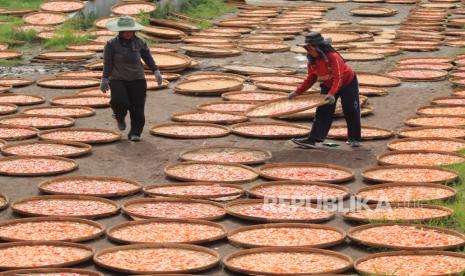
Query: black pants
(129,96)
(350,106)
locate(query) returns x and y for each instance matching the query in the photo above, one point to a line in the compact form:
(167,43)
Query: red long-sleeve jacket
(334,73)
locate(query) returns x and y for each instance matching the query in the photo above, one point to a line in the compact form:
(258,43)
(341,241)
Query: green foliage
(205,10)
(11,62)
(29,4)
(71,32)
(457,220)
(162,12)
(9,35)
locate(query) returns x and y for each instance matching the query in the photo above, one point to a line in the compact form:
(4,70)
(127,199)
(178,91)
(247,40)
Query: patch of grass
(11,62)
(29,4)
(457,220)
(206,10)
(71,32)
(163,12)
(9,35)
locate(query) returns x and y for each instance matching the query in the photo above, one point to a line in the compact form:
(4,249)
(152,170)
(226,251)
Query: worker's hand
(331,99)
(158,77)
(292,95)
(104,85)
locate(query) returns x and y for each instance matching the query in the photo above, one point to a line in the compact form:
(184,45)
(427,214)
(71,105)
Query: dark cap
(315,38)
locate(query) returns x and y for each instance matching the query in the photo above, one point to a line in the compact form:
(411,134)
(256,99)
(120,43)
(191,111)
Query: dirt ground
(145,161)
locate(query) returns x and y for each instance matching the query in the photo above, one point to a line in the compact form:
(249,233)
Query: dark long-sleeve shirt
(334,73)
(122,59)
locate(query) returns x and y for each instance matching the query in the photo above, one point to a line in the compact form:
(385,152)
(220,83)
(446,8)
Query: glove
(104,85)
(292,95)
(331,99)
(158,77)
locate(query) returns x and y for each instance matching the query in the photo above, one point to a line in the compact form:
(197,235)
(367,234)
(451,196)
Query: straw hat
(123,23)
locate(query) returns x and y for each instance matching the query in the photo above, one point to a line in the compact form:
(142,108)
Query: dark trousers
(350,106)
(129,96)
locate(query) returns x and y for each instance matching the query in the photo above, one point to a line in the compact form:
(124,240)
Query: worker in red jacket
(336,79)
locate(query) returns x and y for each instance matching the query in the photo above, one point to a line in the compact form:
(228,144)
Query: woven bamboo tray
(387,133)
(6,201)
(373,11)
(34,132)
(361,56)
(354,230)
(391,153)
(382,50)
(78,82)
(235,129)
(117,136)
(176,24)
(238,117)
(405,253)
(48,243)
(66,197)
(250,69)
(253,174)
(140,201)
(171,62)
(79,272)
(460,100)
(136,189)
(266,154)
(85,149)
(449,211)
(404,133)
(453,110)
(110,231)
(376,80)
(453,175)
(341,37)
(10,108)
(37,18)
(269,47)
(239,243)
(89,111)
(67,55)
(75,5)
(5,88)
(10,54)
(214,74)
(39,99)
(56,101)
(257,218)
(55,219)
(277,78)
(169,246)
(155,130)
(164,32)
(253,193)
(134,8)
(266,109)
(406,184)
(151,192)
(406,74)
(410,121)
(210,52)
(391,145)
(372,91)
(423,66)
(306,164)
(232,96)
(13,158)
(228,258)
(70,121)
(207,87)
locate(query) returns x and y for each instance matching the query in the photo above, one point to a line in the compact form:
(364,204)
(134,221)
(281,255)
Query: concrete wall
(175,3)
(99,7)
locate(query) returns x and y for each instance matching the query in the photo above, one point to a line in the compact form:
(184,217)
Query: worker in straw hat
(123,73)
(337,80)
